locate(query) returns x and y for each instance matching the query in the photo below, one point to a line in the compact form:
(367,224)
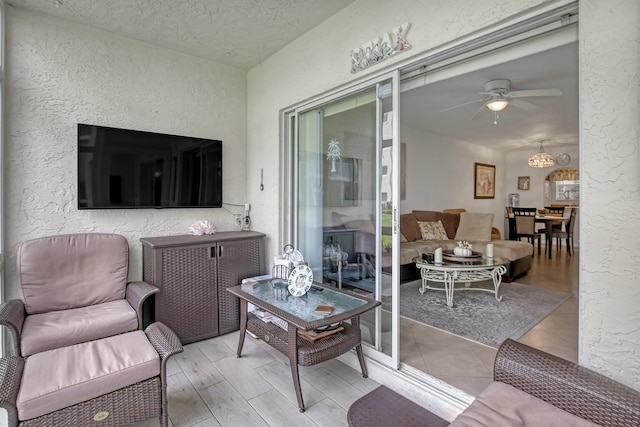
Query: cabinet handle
(212,251)
(221,253)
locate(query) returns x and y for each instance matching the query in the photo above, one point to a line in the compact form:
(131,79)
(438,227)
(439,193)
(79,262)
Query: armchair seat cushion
(59,378)
(46,331)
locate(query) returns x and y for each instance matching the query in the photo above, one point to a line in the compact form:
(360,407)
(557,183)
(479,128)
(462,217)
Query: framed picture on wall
(523,183)
(484,181)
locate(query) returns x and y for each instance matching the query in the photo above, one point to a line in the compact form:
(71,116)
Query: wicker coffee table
(297,314)
(451,272)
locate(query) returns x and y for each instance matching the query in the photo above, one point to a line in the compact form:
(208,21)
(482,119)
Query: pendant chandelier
(541,159)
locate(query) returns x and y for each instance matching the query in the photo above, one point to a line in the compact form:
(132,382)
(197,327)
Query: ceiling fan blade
(462,105)
(524,105)
(534,92)
(479,112)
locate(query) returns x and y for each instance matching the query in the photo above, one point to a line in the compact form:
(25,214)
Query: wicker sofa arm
(11,368)
(136,294)
(567,386)
(12,314)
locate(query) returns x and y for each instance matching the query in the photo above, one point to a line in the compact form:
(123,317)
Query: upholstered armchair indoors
(73,289)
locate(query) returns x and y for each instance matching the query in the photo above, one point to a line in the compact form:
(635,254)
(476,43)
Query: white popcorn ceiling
(239,33)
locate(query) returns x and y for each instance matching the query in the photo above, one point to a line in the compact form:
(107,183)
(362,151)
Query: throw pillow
(475,227)
(409,227)
(432,230)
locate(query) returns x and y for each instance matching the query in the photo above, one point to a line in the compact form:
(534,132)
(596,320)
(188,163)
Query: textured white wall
(319,61)
(610,184)
(59,74)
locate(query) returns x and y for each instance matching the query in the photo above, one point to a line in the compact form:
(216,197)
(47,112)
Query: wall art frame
(484,181)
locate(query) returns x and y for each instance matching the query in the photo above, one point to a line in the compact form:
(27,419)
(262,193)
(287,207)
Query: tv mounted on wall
(122,168)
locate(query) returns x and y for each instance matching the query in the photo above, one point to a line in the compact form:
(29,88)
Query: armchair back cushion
(475,227)
(71,271)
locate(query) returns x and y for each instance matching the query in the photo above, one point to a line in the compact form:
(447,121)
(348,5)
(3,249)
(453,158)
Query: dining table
(548,219)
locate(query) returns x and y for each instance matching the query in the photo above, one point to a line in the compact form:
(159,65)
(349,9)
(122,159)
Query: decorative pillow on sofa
(409,227)
(450,221)
(475,227)
(432,230)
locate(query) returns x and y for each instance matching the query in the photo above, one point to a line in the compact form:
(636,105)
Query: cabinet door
(236,261)
(187,301)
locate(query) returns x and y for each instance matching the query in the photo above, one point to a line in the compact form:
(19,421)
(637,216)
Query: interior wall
(319,61)
(440,175)
(59,74)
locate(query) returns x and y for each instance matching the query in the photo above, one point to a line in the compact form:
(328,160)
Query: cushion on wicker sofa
(56,379)
(501,404)
(46,331)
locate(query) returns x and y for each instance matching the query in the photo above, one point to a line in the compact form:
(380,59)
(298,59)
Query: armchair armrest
(166,343)
(11,368)
(566,385)
(12,314)
(136,295)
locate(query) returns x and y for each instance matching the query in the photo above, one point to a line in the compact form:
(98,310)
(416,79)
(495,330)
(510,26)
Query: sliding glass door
(344,198)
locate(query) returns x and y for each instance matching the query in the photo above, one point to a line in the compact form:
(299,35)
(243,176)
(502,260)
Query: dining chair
(556,226)
(567,234)
(525,225)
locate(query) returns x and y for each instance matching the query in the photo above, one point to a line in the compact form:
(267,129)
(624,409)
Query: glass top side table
(298,313)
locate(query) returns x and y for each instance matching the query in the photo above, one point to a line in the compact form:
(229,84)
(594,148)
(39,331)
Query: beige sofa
(476,228)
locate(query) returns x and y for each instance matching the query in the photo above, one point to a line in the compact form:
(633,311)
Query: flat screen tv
(122,168)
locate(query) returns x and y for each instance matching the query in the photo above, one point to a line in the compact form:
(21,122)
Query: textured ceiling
(240,33)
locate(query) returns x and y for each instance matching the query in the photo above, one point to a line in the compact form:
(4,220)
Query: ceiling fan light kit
(541,159)
(497,104)
(500,96)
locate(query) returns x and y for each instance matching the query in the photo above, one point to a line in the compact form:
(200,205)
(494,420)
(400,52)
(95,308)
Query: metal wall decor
(380,48)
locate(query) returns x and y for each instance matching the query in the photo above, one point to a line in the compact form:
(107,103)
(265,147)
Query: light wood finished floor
(209,386)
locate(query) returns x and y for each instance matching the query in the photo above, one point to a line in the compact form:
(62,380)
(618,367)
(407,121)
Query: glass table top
(275,293)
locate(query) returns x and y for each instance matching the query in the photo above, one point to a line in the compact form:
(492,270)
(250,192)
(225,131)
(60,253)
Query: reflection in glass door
(343,201)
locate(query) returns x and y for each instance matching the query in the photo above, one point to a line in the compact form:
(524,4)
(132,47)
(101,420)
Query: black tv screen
(122,168)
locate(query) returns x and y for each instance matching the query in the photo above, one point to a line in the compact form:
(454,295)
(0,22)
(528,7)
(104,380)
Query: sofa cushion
(503,405)
(430,216)
(409,227)
(363,225)
(73,270)
(46,331)
(432,230)
(59,378)
(475,226)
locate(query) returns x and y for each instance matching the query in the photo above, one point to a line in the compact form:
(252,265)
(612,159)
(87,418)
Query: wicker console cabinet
(192,273)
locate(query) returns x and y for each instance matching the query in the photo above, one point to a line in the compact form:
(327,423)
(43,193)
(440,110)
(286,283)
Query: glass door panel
(344,199)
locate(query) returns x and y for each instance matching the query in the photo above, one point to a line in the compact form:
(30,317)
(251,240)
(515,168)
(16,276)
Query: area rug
(477,315)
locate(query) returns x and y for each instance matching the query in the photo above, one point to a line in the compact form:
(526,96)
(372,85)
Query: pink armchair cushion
(70,271)
(59,378)
(46,331)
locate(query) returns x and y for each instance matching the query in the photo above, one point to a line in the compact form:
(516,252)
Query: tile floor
(209,386)
(468,365)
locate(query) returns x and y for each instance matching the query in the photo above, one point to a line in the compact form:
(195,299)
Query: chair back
(555,209)
(571,222)
(525,224)
(524,211)
(73,270)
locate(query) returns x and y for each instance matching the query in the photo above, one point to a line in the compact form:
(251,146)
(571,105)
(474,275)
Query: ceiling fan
(500,96)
